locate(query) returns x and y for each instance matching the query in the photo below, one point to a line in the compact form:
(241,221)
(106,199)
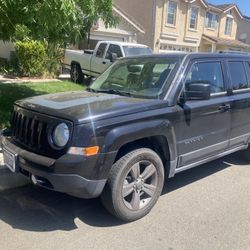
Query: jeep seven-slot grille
(29,131)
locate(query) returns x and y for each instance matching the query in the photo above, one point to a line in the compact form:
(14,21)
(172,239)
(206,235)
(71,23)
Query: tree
(57,23)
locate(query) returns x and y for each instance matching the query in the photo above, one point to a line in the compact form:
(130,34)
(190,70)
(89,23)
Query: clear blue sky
(244,5)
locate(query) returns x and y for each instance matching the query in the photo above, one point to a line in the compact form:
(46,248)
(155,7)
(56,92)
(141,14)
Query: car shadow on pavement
(35,209)
(194,174)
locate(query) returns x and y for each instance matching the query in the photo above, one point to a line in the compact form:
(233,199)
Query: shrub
(4,65)
(31,56)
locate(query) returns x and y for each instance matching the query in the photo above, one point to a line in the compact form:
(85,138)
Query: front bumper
(71,174)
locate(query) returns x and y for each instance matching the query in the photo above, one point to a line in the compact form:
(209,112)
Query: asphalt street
(204,208)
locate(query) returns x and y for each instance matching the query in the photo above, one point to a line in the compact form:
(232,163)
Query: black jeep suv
(142,121)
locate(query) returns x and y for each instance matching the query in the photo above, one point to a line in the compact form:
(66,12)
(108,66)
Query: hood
(83,106)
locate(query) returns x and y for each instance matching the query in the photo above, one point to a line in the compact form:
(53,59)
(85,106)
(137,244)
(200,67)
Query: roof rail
(233,52)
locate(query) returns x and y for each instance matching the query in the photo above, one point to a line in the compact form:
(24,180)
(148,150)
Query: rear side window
(114,49)
(238,75)
(207,72)
(101,50)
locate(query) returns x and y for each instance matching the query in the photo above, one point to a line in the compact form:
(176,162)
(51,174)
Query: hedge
(31,56)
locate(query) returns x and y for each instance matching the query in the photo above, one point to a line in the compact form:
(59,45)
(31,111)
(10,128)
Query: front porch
(215,44)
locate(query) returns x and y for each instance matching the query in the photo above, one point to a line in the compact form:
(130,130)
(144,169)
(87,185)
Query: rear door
(239,72)
(204,126)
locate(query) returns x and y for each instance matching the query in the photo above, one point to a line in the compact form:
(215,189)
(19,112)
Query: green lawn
(9,93)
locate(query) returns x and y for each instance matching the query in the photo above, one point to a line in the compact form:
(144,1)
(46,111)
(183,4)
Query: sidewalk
(6,79)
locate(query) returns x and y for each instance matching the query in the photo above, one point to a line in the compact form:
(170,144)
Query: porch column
(213,47)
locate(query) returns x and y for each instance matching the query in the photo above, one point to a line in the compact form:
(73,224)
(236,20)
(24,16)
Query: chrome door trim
(195,164)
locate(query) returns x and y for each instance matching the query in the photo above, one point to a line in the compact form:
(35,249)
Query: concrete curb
(6,79)
(10,180)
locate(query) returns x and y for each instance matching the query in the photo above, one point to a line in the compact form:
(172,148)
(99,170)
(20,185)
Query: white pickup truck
(93,63)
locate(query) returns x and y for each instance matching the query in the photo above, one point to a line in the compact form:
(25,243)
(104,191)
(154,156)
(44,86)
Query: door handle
(224,107)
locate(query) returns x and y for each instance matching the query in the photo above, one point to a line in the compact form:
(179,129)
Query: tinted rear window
(238,75)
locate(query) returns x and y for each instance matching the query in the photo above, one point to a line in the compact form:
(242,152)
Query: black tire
(76,74)
(121,178)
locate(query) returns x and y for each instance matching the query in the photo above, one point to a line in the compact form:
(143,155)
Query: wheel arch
(157,135)
(74,63)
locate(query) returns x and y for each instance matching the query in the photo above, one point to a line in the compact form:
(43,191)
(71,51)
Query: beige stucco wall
(180,34)
(178,30)
(143,12)
(160,36)
(122,32)
(204,47)
(223,25)
(243,31)
(200,24)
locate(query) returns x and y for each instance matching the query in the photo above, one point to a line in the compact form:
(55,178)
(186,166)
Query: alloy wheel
(140,185)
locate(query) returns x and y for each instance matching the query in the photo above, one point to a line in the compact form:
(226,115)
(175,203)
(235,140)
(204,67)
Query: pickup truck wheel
(76,73)
(134,185)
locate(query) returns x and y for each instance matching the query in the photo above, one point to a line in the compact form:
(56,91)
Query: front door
(204,125)
(98,63)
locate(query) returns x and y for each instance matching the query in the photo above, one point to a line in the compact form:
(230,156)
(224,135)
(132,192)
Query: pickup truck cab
(93,63)
(143,121)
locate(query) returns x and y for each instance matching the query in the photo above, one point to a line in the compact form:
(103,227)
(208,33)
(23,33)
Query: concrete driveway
(204,208)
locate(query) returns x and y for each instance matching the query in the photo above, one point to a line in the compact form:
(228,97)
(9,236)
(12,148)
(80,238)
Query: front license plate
(10,160)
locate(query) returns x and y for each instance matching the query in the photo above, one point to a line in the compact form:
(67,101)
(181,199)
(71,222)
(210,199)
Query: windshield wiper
(91,90)
(112,91)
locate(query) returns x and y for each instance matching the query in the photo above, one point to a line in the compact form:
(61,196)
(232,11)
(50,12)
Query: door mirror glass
(113,57)
(198,90)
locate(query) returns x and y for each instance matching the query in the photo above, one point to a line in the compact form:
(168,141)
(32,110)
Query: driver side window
(207,72)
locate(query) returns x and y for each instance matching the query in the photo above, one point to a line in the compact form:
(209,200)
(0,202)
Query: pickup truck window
(209,72)
(238,75)
(101,50)
(142,77)
(131,50)
(114,49)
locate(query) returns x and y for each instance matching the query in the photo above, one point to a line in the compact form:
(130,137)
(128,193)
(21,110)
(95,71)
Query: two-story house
(185,25)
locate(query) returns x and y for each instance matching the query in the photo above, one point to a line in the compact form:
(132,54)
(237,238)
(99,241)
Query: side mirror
(198,91)
(113,57)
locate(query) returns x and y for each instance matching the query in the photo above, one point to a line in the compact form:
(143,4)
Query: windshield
(140,77)
(131,50)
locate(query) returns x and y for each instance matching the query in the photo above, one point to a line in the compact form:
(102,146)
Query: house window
(194,18)
(229,26)
(177,48)
(212,20)
(171,13)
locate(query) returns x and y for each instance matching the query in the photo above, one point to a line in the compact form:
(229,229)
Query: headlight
(61,135)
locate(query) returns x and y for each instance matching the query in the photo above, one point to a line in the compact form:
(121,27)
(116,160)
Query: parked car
(93,63)
(144,120)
